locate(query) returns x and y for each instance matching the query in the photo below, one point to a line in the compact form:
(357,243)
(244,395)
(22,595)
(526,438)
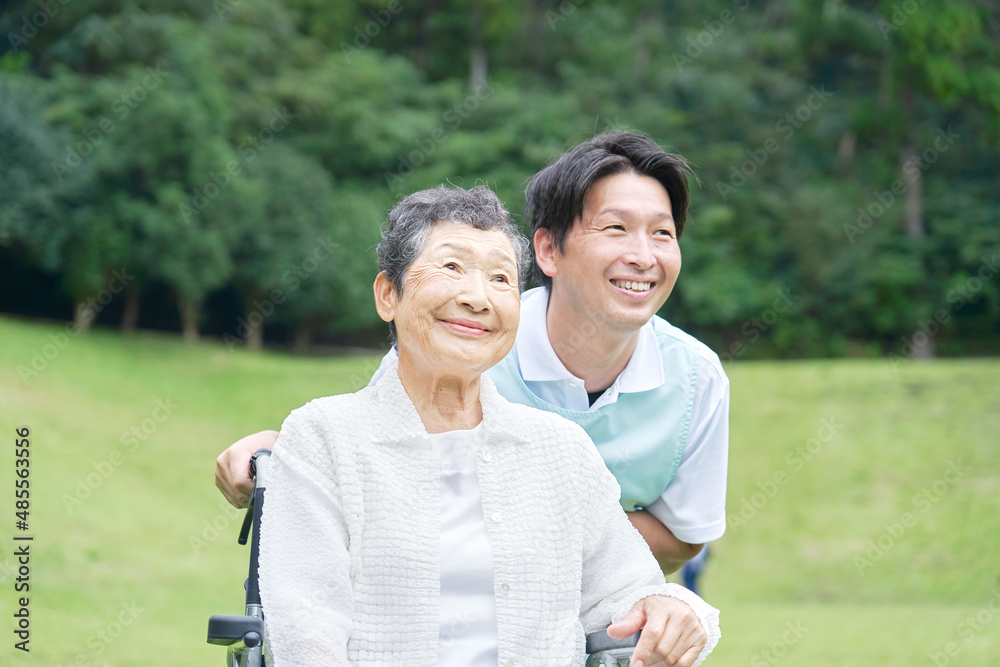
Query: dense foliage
(233,160)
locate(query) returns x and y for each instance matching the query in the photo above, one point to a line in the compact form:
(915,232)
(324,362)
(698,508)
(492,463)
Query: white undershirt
(468,635)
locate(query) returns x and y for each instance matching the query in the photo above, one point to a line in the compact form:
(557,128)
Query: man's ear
(545,252)
(385,297)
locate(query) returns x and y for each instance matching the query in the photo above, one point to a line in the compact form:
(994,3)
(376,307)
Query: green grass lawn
(864,501)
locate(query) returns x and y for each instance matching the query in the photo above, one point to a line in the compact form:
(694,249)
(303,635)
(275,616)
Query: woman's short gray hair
(411,220)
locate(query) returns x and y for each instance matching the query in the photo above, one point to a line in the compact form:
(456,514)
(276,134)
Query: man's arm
(232,473)
(232,468)
(670,552)
(694,503)
(623,584)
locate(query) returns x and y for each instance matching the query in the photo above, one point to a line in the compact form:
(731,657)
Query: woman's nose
(473,294)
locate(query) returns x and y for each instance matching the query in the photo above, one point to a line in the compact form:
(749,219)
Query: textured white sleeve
(618,567)
(693,506)
(304,561)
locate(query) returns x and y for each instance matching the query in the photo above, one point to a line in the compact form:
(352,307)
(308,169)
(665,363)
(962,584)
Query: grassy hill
(864,501)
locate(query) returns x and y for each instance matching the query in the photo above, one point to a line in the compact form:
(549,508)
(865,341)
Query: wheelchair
(245,636)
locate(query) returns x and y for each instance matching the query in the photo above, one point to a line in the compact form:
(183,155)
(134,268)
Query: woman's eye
(451,266)
(617,228)
(501,279)
(663,232)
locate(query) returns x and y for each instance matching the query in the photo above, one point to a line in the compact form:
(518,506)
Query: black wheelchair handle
(263,451)
(248,517)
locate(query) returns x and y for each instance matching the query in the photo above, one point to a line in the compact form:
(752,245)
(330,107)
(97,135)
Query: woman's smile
(466,326)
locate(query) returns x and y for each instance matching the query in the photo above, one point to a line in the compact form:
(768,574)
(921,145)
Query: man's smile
(633,285)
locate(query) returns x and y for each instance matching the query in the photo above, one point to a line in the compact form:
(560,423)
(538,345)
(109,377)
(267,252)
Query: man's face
(621,258)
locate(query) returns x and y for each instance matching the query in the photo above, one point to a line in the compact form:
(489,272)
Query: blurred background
(848,156)
(190,197)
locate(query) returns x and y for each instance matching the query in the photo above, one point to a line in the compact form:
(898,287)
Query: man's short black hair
(555,194)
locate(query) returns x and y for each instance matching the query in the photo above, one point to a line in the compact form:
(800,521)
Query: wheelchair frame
(245,636)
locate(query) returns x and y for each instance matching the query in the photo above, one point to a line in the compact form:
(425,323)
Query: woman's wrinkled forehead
(465,241)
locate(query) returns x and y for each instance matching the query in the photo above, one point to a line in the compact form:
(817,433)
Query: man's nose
(640,252)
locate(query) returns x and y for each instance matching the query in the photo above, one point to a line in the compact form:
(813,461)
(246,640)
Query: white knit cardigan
(351,534)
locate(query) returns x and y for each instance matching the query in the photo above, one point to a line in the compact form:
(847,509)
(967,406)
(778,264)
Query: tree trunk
(255,329)
(418,52)
(772,14)
(303,338)
(189,318)
(478,68)
(914,197)
(913,213)
(538,30)
(913,224)
(640,62)
(845,151)
(83,317)
(130,317)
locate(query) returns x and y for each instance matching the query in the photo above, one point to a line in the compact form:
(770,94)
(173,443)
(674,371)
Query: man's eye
(664,232)
(501,279)
(452,266)
(617,228)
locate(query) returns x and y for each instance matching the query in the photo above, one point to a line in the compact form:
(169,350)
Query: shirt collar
(539,363)
(398,422)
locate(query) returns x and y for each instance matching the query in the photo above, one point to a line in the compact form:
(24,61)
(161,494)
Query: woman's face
(460,305)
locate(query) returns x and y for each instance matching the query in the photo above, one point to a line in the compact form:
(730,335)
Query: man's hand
(671,635)
(232,468)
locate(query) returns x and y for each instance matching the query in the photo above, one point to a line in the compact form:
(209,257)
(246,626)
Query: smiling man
(606,219)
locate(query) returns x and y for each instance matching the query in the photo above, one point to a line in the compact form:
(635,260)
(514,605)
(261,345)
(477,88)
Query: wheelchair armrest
(600,641)
(603,651)
(227,630)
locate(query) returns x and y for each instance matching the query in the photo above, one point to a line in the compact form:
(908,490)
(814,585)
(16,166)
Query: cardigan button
(486,456)
(505,588)
(497,517)
(509,663)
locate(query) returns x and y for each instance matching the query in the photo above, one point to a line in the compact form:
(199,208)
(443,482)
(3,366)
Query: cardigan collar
(397,421)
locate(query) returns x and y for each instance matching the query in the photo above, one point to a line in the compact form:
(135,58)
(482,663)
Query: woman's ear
(385,297)
(545,252)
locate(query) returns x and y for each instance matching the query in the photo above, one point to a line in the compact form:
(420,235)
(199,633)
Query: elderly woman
(426,520)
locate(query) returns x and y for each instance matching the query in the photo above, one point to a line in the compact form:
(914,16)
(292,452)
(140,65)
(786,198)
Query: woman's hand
(232,468)
(671,635)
